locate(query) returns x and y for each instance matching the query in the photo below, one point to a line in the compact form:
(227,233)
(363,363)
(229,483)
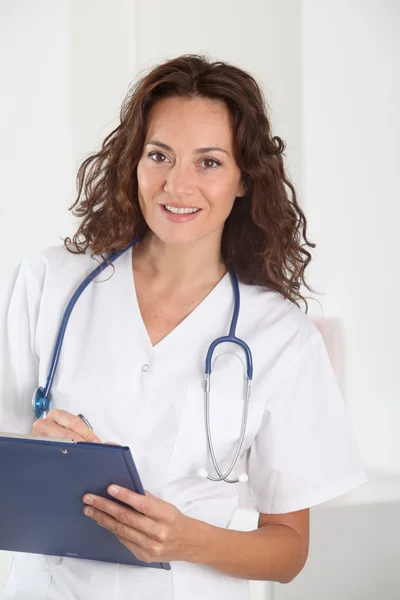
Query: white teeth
(181,211)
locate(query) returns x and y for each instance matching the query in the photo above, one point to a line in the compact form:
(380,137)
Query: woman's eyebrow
(198,151)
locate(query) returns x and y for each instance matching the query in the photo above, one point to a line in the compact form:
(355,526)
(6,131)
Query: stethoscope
(41,398)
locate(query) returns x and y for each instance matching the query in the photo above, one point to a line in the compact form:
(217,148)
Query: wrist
(201,536)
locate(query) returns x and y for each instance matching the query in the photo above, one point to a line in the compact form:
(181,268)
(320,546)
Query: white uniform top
(299,444)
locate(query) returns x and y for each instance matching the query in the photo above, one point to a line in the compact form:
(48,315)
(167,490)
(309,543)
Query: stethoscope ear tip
(202,473)
(243,477)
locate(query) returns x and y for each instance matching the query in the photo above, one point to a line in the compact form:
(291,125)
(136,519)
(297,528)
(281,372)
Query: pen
(85,421)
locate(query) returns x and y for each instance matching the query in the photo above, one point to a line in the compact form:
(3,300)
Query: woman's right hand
(62,424)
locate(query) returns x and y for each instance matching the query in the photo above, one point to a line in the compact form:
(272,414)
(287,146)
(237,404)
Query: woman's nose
(180,181)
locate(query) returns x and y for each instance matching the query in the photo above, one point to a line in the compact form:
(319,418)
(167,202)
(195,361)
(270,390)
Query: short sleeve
(305,451)
(19,307)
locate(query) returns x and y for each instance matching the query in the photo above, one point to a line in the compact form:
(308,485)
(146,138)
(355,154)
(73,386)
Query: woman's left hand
(160,534)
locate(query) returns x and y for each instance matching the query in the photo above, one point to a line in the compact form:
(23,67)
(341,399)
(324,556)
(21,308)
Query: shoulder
(268,309)
(51,272)
(54,257)
(281,332)
(53,264)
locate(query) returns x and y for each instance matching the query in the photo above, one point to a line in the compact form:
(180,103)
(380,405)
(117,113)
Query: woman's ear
(242,190)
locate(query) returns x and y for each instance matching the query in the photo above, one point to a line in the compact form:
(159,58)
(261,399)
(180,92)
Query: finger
(148,505)
(74,423)
(141,554)
(126,516)
(138,551)
(154,497)
(48,428)
(121,530)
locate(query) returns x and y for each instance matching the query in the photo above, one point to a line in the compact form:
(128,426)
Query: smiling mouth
(180,211)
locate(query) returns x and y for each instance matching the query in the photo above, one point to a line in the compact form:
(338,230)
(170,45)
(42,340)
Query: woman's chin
(179,237)
(184,234)
(178,240)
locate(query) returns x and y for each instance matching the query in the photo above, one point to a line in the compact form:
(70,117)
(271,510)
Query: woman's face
(188,164)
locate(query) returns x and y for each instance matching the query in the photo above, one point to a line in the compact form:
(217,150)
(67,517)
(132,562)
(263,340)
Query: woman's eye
(207,161)
(155,155)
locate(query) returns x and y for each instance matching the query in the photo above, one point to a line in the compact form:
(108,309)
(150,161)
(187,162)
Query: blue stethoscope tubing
(42,397)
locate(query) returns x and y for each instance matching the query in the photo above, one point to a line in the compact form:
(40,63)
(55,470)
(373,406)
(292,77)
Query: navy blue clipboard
(42,485)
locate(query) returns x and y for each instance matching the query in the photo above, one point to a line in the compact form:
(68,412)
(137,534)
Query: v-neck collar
(208,306)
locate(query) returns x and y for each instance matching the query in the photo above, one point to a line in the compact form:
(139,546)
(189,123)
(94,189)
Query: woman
(193,173)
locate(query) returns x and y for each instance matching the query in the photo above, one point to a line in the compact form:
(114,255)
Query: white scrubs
(299,444)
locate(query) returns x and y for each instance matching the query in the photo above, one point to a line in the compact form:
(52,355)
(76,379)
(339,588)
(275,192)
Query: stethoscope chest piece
(40,403)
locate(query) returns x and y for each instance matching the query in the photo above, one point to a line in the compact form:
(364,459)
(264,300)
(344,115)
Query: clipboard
(43,481)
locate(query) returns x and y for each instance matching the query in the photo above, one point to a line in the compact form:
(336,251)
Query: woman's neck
(181,265)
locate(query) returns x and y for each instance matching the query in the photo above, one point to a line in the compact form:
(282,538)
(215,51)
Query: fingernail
(113,490)
(88,512)
(88,500)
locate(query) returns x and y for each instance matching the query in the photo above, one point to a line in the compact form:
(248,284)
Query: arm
(276,551)
(157,531)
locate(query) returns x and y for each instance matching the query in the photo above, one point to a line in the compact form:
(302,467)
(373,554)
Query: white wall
(351,123)
(36,160)
(328,70)
(104,62)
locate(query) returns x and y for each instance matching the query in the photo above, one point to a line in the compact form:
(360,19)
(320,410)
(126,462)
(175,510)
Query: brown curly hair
(264,239)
